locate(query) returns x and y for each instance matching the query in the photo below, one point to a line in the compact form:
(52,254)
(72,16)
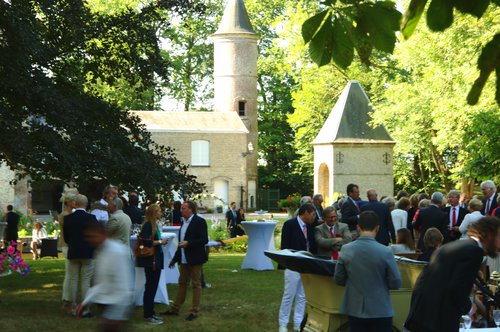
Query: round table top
(270,222)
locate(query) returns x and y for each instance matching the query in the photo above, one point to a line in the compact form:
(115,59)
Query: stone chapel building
(220,146)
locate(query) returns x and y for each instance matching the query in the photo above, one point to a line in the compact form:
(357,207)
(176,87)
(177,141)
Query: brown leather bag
(140,250)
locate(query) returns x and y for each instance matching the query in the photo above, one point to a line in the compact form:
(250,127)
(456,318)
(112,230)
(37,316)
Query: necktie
(304,230)
(454,217)
(356,205)
(487,211)
(335,254)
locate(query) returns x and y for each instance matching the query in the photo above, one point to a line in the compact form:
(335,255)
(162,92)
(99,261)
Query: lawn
(238,301)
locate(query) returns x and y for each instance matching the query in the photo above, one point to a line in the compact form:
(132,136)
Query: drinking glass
(496,317)
(462,328)
(467,321)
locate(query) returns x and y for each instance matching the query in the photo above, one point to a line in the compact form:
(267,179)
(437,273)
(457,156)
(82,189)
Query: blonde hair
(151,215)
(475,204)
(69,195)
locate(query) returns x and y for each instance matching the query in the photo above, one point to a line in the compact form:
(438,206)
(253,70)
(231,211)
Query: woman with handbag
(149,255)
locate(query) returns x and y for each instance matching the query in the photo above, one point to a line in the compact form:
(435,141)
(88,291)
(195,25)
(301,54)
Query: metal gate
(267,199)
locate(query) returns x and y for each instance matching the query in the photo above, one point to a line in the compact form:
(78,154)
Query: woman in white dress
(475,206)
(38,234)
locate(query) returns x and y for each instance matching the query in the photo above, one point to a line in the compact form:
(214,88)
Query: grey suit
(119,225)
(368,270)
(326,244)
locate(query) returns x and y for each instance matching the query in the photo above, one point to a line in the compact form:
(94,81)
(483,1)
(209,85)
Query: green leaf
(412,17)
(487,62)
(312,25)
(320,48)
(343,48)
(378,23)
(440,15)
(476,7)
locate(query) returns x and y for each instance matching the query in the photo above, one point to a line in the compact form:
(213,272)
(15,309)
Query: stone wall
(18,194)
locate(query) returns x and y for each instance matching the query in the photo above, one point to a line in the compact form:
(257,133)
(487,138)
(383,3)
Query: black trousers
(152,279)
(370,324)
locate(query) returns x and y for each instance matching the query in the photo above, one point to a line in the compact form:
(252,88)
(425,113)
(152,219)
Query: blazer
(292,236)
(135,213)
(441,293)
(368,271)
(494,204)
(325,243)
(119,225)
(156,260)
(460,217)
(73,232)
(230,218)
(319,215)
(197,238)
(349,213)
(431,216)
(386,231)
(12,220)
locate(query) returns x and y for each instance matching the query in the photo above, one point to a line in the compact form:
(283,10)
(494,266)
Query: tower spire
(235,19)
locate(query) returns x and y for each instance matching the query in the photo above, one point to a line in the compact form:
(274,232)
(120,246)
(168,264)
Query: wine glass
(462,328)
(496,317)
(467,321)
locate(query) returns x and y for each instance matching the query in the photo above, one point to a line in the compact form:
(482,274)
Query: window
(200,153)
(241,108)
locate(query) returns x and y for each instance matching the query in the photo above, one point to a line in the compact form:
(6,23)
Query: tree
(347,25)
(53,124)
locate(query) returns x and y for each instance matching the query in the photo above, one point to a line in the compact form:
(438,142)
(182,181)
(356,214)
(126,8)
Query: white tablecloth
(171,229)
(167,276)
(485,330)
(260,238)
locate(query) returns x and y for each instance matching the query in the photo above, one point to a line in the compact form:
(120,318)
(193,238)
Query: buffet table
(260,238)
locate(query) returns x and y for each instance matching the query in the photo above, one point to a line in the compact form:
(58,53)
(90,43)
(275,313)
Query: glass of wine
(496,317)
(467,321)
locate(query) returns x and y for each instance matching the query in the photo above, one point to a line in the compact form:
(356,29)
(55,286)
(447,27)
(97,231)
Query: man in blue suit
(386,231)
(297,234)
(368,271)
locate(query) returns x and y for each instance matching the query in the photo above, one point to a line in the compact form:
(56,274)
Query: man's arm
(321,241)
(391,226)
(346,235)
(349,213)
(340,275)
(462,279)
(393,275)
(286,236)
(201,237)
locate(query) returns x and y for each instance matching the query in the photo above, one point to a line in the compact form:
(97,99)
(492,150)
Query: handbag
(140,250)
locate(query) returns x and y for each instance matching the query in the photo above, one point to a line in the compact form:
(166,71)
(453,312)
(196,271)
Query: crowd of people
(363,236)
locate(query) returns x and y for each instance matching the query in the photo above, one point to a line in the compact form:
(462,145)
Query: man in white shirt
(489,191)
(455,215)
(100,208)
(113,278)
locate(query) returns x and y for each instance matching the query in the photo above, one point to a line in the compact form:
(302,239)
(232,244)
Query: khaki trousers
(188,272)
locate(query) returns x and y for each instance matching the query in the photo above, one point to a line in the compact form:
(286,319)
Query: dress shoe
(169,313)
(191,317)
(153,321)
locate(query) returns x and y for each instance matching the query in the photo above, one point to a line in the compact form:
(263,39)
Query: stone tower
(235,80)
(349,150)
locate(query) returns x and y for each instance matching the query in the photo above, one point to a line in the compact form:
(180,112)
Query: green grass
(238,301)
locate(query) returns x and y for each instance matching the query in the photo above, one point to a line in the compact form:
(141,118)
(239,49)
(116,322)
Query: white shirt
(399,219)
(101,215)
(457,210)
(185,225)
(38,236)
(469,219)
(401,249)
(113,275)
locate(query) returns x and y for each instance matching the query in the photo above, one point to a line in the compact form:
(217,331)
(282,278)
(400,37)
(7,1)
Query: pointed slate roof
(349,120)
(235,19)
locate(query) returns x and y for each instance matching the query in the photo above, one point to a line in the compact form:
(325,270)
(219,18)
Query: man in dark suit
(231,218)
(490,201)
(386,230)
(12,220)
(454,214)
(133,211)
(296,234)
(80,253)
(431,216)
(441,293)
(191,255)
(318,205)
(350,209)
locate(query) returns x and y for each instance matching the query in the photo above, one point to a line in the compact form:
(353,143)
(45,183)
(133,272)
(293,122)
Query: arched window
(200,153)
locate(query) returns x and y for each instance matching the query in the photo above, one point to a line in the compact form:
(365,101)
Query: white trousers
(66,295)
(81,272)
(294,290)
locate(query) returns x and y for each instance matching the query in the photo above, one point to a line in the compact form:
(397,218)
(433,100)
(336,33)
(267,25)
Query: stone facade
(16,194)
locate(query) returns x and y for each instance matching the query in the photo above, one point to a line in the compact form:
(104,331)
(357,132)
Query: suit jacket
(441,293)
(325,243)
(230,218)
(135,213)
(319,215)
(369,271)
(386,231)
(197,238)
(156,260)
(119,225)
(350,212)
(460,217)
(431,216)
(73,232)
(493,205)
(292,236)
(12,220)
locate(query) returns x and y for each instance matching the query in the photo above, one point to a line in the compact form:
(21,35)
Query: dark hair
(124,200)
(483,227)
(433,238)
(133,200)
(401,194)
(403,203)
(177,205)
(10,207)
(368,221)
(404,237)
(192,206)
(350,187)
(306,208)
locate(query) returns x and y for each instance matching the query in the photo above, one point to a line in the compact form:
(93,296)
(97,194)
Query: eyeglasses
(331,217)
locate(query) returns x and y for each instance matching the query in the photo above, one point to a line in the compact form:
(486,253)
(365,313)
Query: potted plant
(290,204)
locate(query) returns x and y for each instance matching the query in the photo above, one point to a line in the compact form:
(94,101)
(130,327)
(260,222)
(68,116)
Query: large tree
(55,123)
